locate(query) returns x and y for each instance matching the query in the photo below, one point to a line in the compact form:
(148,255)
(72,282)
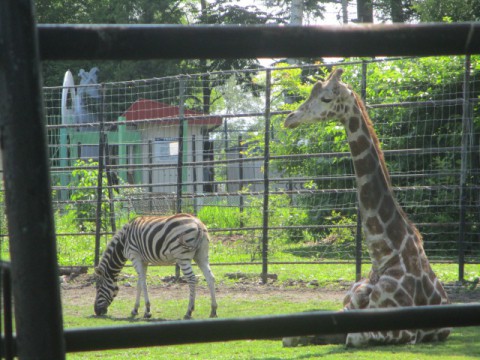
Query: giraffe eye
(325,100)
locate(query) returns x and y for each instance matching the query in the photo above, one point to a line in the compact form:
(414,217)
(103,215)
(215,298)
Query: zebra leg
(147,314)
(141,269)
(202,261)
(186,267)
(137,299)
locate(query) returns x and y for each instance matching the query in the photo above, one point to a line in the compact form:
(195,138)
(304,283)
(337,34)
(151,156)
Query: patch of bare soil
(80,290)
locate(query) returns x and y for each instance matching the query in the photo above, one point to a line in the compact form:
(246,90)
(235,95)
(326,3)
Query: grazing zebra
(155,240)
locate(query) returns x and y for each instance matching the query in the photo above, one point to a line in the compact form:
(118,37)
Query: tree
(364,11)
(281,10)
(296,12)
(428,10)
(397,11)
(452,10)
(225,12)
(111,12)
(422,80)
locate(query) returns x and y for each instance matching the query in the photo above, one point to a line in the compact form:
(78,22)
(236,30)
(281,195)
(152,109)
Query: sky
(333,16)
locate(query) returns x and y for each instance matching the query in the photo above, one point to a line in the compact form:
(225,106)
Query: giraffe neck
(388,232)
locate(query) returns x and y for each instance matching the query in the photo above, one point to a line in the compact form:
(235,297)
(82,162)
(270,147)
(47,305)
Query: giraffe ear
(336,74)
(316,89)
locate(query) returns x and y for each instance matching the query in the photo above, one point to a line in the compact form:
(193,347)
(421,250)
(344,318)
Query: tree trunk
(364,11)
(296,12)
(396,11)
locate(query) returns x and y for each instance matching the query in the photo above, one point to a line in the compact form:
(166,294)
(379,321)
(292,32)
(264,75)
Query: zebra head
(107,289)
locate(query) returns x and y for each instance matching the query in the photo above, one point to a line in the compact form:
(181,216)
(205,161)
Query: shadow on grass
(130,319)
(463,342)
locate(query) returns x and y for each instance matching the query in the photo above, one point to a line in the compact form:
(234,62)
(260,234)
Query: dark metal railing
(34,269)
(65,42)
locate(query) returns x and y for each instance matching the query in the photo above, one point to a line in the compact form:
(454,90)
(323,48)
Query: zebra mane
(113,258)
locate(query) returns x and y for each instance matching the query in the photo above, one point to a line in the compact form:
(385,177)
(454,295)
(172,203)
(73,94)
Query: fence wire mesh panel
(214,145)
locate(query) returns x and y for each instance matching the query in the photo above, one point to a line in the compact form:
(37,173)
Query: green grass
(325,274)
(462,344)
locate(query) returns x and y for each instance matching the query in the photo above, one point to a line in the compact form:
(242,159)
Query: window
(165,150)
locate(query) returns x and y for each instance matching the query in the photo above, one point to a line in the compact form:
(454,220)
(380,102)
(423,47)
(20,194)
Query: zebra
(154,240)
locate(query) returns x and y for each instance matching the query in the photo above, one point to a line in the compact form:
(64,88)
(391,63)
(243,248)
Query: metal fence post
(150,174)
(110,184)
(194,175)
(241,204)
(101,165)
(34,268)
(266,178)
(181,142)
(466,142)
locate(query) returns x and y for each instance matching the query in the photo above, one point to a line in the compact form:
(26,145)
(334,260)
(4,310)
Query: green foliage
(247,243)
(399,127)
(344,232)
(220,216)
(84,195)
(454,10)
(72,250)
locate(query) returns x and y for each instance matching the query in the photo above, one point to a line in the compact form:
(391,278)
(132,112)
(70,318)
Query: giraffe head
(328,100)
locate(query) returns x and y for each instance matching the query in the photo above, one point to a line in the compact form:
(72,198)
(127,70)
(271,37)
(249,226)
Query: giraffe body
(401,274)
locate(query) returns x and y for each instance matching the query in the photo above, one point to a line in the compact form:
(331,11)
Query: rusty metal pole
(34,269)
(266,178)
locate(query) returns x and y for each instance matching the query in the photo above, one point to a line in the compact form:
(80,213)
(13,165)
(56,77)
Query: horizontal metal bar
(219,330)
(289,157)
(136,42)
(93,125)
(267,327)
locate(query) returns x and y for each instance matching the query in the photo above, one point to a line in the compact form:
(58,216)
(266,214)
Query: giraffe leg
(381,338)
(356,298)
(361,297)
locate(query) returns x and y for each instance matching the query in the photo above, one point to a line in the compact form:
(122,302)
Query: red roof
(144,109)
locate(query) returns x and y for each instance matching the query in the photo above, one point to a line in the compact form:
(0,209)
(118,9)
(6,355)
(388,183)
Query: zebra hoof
(187,317)
(213,315)
(147,315)
(134,312)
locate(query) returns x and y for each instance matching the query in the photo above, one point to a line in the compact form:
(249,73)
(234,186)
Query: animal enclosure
(34,273)
(213,144)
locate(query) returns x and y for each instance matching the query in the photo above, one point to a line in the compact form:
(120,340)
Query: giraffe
(401,274)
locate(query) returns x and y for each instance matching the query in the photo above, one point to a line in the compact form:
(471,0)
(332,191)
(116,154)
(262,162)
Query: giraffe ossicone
(401,274)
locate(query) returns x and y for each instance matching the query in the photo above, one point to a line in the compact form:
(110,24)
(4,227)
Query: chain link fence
(213,144)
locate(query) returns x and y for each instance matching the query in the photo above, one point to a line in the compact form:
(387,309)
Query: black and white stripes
(155,240)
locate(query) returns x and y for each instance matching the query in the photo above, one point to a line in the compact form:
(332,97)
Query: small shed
(159,127)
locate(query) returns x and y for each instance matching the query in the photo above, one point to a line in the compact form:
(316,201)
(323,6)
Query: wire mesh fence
(213,144)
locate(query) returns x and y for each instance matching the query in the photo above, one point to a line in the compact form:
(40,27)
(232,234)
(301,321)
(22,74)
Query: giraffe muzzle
(290,121)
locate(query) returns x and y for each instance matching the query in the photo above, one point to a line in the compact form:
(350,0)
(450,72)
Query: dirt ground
(80,290)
